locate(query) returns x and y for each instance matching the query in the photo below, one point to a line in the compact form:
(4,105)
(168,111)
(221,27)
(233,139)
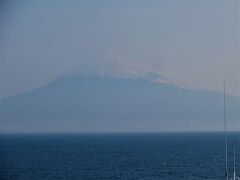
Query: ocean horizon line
(115,133)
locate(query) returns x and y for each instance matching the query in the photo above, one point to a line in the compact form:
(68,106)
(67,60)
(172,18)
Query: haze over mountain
(118,97)
(193,43)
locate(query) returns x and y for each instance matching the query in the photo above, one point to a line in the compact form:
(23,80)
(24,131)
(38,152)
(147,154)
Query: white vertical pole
(225,123)
(234,174)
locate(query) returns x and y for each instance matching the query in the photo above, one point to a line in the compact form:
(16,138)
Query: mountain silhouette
(78,102)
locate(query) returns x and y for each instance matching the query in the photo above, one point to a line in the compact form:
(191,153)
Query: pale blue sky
(194,43)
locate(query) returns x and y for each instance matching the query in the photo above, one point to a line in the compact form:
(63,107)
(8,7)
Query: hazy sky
(193,43)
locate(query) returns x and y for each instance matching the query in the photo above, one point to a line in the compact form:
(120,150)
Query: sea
(140,156)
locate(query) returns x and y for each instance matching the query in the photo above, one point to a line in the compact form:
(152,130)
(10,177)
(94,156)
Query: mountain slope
(92,104)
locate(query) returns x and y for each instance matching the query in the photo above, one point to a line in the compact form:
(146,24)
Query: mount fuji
(117,97)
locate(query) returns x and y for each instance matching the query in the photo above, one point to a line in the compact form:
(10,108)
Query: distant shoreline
(116,133)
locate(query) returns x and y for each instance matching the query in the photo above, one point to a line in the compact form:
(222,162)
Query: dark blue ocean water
(116,156)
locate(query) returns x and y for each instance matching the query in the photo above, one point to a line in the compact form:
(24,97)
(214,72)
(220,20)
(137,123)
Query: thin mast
(234,174)
(226,139)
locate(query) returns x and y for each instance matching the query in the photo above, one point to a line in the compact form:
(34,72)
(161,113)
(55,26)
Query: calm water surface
(116,156)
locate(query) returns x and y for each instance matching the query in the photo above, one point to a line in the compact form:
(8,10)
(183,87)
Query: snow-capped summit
(116,67)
